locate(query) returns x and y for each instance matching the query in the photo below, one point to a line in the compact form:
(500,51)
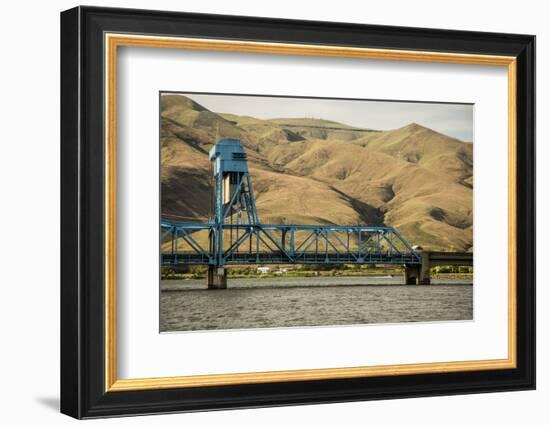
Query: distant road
(330,128)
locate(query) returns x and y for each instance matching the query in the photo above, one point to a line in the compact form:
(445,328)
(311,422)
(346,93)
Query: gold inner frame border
(112,41)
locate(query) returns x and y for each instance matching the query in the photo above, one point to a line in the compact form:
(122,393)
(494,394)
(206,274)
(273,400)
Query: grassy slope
(413,178)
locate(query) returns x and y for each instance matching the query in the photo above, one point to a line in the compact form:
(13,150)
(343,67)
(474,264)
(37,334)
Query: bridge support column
(412,274)
(216,277)
(425,277)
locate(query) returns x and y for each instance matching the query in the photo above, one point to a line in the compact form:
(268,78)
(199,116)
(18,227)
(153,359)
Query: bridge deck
(192,258)
(212,244)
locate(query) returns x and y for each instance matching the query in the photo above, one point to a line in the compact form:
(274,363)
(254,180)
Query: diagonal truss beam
(273,247)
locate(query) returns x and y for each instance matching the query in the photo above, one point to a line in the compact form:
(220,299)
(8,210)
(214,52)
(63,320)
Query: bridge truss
(235,234)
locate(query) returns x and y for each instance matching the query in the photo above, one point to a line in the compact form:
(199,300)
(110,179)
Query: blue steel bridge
(235,235)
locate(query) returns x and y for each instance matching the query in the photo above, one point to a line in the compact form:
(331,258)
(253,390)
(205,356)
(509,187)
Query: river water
(187,305)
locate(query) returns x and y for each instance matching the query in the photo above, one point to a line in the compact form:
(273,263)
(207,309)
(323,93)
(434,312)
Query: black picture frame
(83,392)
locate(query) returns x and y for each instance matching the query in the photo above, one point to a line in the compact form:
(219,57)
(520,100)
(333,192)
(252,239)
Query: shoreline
(308,275)
(173,285)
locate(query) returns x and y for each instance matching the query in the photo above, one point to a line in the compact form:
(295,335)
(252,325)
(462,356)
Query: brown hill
(318,171)
(311,128)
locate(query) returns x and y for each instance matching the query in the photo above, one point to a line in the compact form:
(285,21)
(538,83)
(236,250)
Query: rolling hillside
(310,171)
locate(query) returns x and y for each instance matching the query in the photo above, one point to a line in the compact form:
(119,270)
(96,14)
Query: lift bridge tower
(233,203)
(235,235)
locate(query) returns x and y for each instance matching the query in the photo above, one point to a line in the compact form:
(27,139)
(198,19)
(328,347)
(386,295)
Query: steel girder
(195,243)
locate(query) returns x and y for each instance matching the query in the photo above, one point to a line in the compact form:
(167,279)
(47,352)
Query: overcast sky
(454,120)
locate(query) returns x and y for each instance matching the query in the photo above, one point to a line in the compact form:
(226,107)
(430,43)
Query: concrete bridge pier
(412,274)
(216,277)
(425,277)
(418,274)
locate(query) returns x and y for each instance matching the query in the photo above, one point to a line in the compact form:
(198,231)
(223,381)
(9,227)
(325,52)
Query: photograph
(280,212)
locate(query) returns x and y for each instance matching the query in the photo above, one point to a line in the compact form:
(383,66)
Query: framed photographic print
(261,212)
